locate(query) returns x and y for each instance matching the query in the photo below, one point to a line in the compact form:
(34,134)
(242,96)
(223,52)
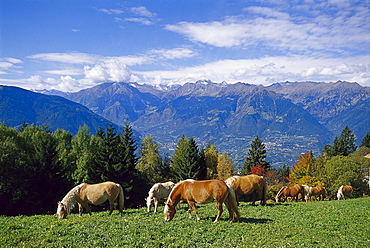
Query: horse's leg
(155,204)
(80,209)
(192,205)
(111,206)
(219,211)
(189,211)
(148,203)
(87,207)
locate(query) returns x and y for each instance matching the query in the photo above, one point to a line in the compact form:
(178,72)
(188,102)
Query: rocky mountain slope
(230,115)
(18,106)
(290,118)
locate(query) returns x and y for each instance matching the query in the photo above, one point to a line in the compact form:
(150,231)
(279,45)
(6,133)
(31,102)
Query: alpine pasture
(334,223)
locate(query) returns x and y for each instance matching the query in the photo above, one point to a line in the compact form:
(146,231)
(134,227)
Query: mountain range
(18,106)
(291,118)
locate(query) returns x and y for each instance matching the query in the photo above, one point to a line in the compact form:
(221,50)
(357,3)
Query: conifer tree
(366,140)
(256,156)
(344,145)
(187,162)
(134,183)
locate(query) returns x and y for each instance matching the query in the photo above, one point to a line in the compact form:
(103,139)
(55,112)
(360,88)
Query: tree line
(38,167)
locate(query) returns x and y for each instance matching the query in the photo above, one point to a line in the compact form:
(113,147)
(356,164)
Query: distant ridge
(291,118)
(18,105)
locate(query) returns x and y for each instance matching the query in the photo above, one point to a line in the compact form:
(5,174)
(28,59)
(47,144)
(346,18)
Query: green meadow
(294,224)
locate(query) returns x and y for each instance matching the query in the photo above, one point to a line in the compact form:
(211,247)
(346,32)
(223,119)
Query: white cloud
(142,11)
(112,71)
(142,21)
(269,70)
(66,71)
(176,53)
(111,11)
(10,65)
(277,30)
(268,12)
(71,58)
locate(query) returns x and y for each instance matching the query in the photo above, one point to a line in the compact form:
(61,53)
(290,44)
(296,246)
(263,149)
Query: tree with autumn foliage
(225,166)
(258,170)
(211,159)
(301,171)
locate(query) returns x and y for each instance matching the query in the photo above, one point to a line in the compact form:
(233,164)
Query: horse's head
(169,212)
(61,211)
(280,193)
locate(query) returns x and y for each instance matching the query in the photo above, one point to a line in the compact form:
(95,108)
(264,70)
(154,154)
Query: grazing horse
(307,191)
(202,192)
(157,192)
(344,191)
(250,184)
(316,191)
(85,194)
(290,191)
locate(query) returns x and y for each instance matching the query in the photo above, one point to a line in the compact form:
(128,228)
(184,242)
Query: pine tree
(344,145)
(256,155)
(187,162)
(366,140)
(133,182)
(108,160)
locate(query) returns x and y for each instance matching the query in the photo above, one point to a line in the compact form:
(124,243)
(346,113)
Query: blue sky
(71,45)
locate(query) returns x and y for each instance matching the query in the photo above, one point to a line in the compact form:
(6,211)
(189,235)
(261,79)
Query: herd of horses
(193,192)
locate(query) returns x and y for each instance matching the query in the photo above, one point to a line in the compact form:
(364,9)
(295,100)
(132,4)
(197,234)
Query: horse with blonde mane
(158,192)
(202,192)
(316,191)
(344,191)
(249,184)
(290,191)
(96,194)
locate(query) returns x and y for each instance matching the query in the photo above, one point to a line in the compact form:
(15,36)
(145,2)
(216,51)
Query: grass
(312,224)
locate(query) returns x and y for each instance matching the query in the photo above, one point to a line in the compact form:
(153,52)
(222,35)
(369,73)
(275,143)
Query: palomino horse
(316,191)
(85,194)
(202,192)
(290,191)
(250,184)
(344,191)
(157,192)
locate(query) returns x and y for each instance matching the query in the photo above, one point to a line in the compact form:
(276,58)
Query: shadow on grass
(242,220)
(255,221)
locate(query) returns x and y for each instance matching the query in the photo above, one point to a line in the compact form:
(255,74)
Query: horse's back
(161,190)
(96,193)
(250,183)
(347,190)
(205,191)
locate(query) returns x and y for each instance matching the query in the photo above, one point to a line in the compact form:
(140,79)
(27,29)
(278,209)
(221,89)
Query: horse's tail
(232,204)
(264,192)
(121,198)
